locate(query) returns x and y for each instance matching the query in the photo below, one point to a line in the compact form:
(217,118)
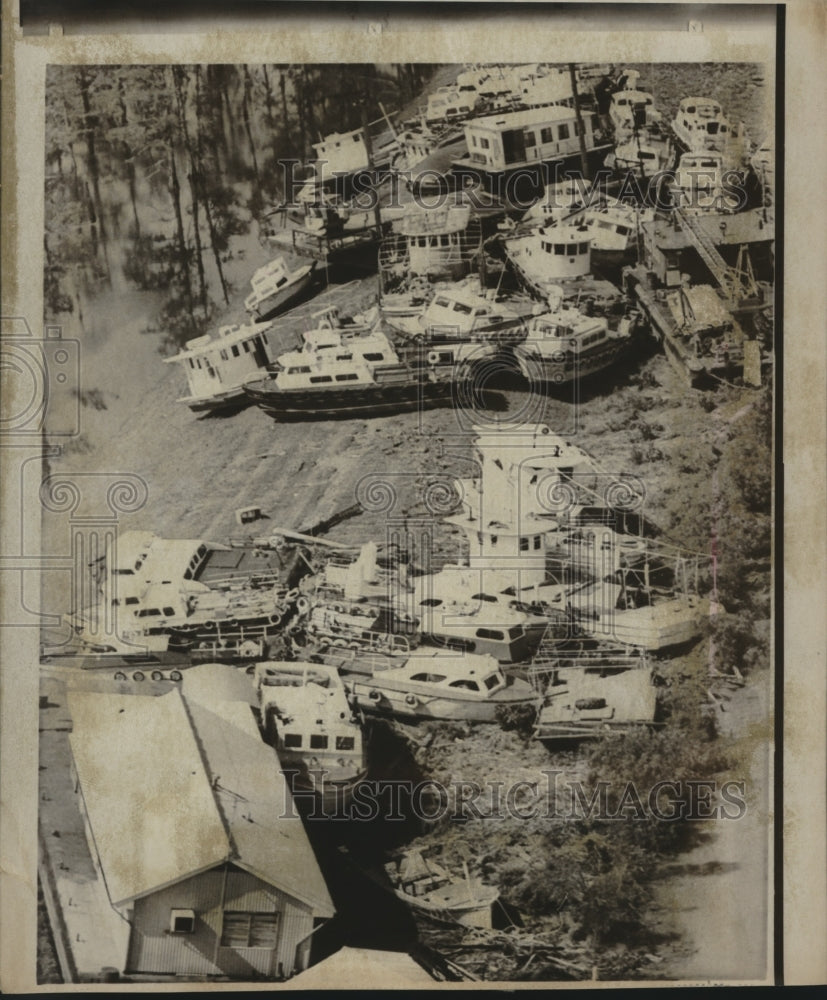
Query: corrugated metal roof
(264,824)
(173,788)
(151,809)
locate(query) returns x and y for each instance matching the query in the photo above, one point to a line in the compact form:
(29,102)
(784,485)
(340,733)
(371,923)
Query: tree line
(151,169)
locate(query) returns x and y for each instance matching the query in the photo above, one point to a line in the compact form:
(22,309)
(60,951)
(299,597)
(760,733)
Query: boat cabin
(450,104)
(437,238)
(498,143)
(631,110)
(460,311)
(552,253)
(700,124)
(217,364)
(341,153)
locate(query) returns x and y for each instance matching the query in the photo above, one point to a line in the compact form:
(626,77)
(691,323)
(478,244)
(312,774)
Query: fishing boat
(565,345)
(593,694)
(428,887)
(275,287)
(631,110)
(436,243)
(306,717)
(435,684)
(218,366)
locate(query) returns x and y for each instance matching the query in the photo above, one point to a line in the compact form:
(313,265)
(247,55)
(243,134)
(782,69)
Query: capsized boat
(307,718)
(275,287)
(435,684)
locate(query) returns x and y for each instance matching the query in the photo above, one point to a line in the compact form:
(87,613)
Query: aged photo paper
(413,542)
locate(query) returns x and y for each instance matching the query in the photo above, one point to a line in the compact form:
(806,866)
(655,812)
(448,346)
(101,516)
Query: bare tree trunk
(207,210)
(245,113)
(179,222)
(179,78)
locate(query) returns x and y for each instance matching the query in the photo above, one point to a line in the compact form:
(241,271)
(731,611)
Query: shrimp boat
(614,228)
(593,694)
(435,684)
(428,887)
(565,345)
(306,717)
(217,367)
(275,287)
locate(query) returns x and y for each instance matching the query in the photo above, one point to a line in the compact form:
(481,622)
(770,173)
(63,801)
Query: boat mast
(584,165)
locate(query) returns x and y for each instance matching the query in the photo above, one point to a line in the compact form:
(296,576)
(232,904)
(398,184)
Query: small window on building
(547,134)
(524,544)
(560,249)
(490,633)
(530,139)
(571,249)
(293,740)
(537,542)
(235,350)
(374,356)
(182,922)
(169,612)
(318,741)
(249,930)
(345,743)
(484,143)
(563,131)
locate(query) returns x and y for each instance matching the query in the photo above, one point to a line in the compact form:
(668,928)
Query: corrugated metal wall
(154,949)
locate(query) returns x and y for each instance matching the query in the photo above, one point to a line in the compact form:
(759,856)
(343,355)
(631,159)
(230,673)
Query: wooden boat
(435,684)
(275,287)
(217,366)
(306,717)
(428,887)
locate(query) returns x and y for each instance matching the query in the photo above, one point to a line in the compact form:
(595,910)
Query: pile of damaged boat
(565,595)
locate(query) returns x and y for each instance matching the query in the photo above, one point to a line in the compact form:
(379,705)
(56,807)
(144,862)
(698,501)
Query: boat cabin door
(514,146)
(259,354)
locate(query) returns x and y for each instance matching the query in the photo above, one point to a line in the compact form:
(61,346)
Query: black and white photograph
(396,466)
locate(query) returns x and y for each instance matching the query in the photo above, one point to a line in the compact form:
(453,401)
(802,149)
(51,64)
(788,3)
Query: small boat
(644,154)
(432,242)
(594,694)
(699,126)
(275,287)
(435,684)
(632,110)
(429,888)
(699,184)
(614,228)
(217,367)
(306,717)
(565,345)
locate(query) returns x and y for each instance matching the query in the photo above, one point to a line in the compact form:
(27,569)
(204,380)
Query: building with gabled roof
(194,832)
